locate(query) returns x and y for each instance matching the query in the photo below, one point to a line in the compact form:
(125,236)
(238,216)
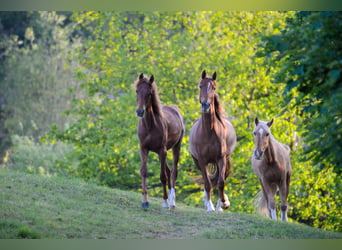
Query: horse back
(175,124)
(231,137)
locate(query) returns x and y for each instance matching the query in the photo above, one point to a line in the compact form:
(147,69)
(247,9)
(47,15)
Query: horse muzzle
(258,154)
(140,112)
(205,107)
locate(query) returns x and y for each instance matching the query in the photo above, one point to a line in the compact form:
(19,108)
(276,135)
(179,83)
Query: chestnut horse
(212,141)
(160,128)
(271,163)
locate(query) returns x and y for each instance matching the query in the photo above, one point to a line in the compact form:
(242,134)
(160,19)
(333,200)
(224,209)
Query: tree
(37,91)
(310,51)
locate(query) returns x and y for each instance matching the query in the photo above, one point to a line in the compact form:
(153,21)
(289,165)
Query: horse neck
(270,151)
(213,119)
(153,114)
(210,121)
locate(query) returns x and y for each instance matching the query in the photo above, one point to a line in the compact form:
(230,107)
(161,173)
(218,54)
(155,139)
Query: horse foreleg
(143,173)
(207,186)
(269,192)
(223,198)
(164,175)
(284,191)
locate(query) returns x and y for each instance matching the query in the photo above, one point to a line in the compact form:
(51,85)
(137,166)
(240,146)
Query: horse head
(207,91)
(262,134)
(143,88)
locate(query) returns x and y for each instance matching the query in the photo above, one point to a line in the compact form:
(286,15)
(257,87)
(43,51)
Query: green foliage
(310,51)
(317,197)
(36,158)
(175,47)
(37,74)
(26,233)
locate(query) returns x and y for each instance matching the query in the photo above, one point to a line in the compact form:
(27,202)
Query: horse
(271,163)
(160,128)
(212,141)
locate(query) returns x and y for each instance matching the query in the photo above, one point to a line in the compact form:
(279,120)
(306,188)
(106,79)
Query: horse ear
(256,121)
(151,79)
(214,76)
(269,124)
(141,76)
(204,74)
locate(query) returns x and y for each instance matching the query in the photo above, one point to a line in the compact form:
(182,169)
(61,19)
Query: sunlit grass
(34,206)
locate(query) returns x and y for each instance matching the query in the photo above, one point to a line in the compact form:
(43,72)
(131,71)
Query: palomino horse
(212,141)
(271,163)
(159,129)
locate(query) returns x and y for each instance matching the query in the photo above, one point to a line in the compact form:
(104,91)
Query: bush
(37,158)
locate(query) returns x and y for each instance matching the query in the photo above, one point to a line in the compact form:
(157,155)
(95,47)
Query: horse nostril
(258,154)
(140,112)
(205,106)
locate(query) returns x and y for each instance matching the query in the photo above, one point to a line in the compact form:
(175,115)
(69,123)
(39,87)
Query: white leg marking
(172,197)
(218,206)
(283,215)
(207,203)
(273,214)
(210,206)
(227,203)
(205,197)
(165,204)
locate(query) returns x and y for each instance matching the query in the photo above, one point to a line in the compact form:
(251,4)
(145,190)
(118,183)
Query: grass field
(34,206)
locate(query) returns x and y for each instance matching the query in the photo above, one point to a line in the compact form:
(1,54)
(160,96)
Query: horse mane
(219,111)
(156,104)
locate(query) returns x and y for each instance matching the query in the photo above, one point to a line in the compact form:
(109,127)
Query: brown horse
(271,163)
(212,141)
(159,129)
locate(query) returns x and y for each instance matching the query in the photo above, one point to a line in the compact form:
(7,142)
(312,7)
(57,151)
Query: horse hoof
(172,207)
(225,205)
(145,204)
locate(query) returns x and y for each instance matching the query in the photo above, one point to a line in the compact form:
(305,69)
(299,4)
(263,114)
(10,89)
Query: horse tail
(213,175)
(260,204)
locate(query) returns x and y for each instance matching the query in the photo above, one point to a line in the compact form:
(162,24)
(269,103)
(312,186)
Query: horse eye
(254,133)
(267,134)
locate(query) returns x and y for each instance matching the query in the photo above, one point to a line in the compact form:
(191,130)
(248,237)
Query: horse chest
(212,151)
(153,141)
(271,173)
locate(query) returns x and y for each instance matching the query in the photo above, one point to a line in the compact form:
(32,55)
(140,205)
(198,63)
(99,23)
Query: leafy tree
(308,54)
(310,51)
(36,92)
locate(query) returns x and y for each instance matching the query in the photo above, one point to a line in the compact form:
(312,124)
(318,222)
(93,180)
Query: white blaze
(261,131)
(208,86)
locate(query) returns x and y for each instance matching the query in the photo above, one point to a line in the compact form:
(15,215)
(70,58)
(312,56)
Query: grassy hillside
(34,206)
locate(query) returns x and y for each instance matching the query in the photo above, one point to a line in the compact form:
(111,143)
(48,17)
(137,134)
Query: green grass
(34,206)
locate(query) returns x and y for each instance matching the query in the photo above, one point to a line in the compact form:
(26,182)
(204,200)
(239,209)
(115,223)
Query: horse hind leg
(174,175)
(225,203)
(143,173)
(222,171)
(164,176)
(220,205)
(284,191)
